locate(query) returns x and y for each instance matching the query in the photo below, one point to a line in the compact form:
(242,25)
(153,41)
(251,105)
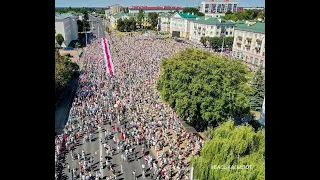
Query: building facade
(211,27)
(215,15)
(157,9)
(164,21)
(249,43)
(66,25)
(218,7)
(116,8)
(180,25)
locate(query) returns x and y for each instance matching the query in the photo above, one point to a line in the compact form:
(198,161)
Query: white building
(218,7)
(66,25)
(211,27)
(249,43)
(215,15)
(180,24)
(164,21)
(157,9)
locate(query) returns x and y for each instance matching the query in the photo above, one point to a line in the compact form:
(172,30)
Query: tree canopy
(64,69)
(140,17)
(216,42)
(193,10)
(153,19)
(59,39)
(256,99)
(231,145)
(207,88)
(126,25)
(247,14)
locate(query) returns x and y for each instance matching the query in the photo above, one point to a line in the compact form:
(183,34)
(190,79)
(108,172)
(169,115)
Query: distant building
(66,25)
(208,26)
(114,18)
(218,7)
(116,8)
(249,43)
(164,20)
(148,9)
(180,24)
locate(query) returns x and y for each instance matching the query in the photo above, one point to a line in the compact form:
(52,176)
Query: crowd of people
(127,109)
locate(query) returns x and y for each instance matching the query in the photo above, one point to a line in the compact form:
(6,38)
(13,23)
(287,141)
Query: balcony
(239,36)
(247,45)
(249,38)
(239,43)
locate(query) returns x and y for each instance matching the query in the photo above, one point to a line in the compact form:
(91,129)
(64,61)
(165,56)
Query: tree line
(64,69)
(128,25)
(216,42)
(247,14)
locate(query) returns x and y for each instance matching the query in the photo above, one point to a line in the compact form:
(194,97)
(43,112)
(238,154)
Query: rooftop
(165,15)
(210,21)
(187,15)
(155,7)
(63,15)
(256,27)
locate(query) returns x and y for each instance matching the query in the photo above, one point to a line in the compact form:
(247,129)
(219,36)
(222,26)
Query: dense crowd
(129,103)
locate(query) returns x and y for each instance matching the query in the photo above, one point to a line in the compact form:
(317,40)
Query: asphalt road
(90,148)
(99,26)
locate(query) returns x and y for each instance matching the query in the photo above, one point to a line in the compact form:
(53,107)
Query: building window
(218,27)
(261,62)
(255,61)
(231,27)
(217,33)
(230,32)
(226,32)
(251,60)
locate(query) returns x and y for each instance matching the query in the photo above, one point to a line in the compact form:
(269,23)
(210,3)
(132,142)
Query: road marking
(100,144)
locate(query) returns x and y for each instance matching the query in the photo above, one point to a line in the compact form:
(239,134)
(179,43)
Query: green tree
(193,10)
(256,99)
(204,40)
(140,18)
(153,19)
(80,26)
(207,88)
(59,39)
(107,29)
(120,25)
(132,23)
(232,145)
(85,15)
(126,25)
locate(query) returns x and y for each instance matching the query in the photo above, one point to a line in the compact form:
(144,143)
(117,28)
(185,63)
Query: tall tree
(120,25)
(258,85)
(59,39)
(153,19)
(207,88)
(232,146)
(133,23)
(140,17)
(80,26)
(127,24)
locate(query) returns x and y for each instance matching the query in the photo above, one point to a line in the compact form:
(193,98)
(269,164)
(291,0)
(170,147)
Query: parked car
(68,48)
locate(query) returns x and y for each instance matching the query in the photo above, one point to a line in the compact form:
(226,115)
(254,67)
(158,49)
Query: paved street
(99,26)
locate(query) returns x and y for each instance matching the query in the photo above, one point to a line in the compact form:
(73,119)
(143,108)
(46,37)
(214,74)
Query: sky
(125,3)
